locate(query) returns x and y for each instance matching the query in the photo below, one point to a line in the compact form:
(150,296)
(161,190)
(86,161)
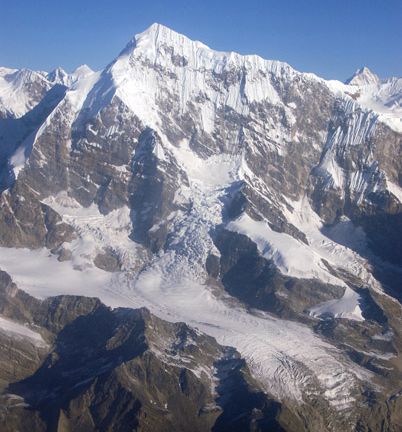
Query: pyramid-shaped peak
(157,27)
(24,76)
(158,35)
(160,46)
(161,33)
(363,76)
(57,75)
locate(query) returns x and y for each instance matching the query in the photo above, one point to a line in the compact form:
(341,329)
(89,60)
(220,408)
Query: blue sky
(329,37)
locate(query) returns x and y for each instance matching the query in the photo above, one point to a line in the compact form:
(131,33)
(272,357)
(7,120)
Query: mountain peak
(57,75)
(157,35)
(363,76)
(82,70)
(160,33)
(156,28)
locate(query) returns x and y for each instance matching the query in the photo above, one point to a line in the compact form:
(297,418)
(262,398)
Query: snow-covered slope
(363,77)
(384,97)
(60,76)
(20,330)
(20,91)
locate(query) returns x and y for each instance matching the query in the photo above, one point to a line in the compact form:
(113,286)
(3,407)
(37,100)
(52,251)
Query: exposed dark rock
(256,281)
(107,261)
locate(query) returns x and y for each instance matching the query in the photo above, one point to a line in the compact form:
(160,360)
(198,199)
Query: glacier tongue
(275,349)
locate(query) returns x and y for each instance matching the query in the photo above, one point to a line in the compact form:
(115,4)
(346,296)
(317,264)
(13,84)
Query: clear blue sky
(329,37)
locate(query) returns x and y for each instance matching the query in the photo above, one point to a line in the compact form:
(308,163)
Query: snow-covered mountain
(384,97)
(363,77)
(258,204)
(20,91)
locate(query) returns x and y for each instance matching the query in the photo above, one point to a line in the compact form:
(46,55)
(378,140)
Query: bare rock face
(26,222)
(152,191)
(254,202)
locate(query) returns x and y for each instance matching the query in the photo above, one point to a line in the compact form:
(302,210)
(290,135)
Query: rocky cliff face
(254,202)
